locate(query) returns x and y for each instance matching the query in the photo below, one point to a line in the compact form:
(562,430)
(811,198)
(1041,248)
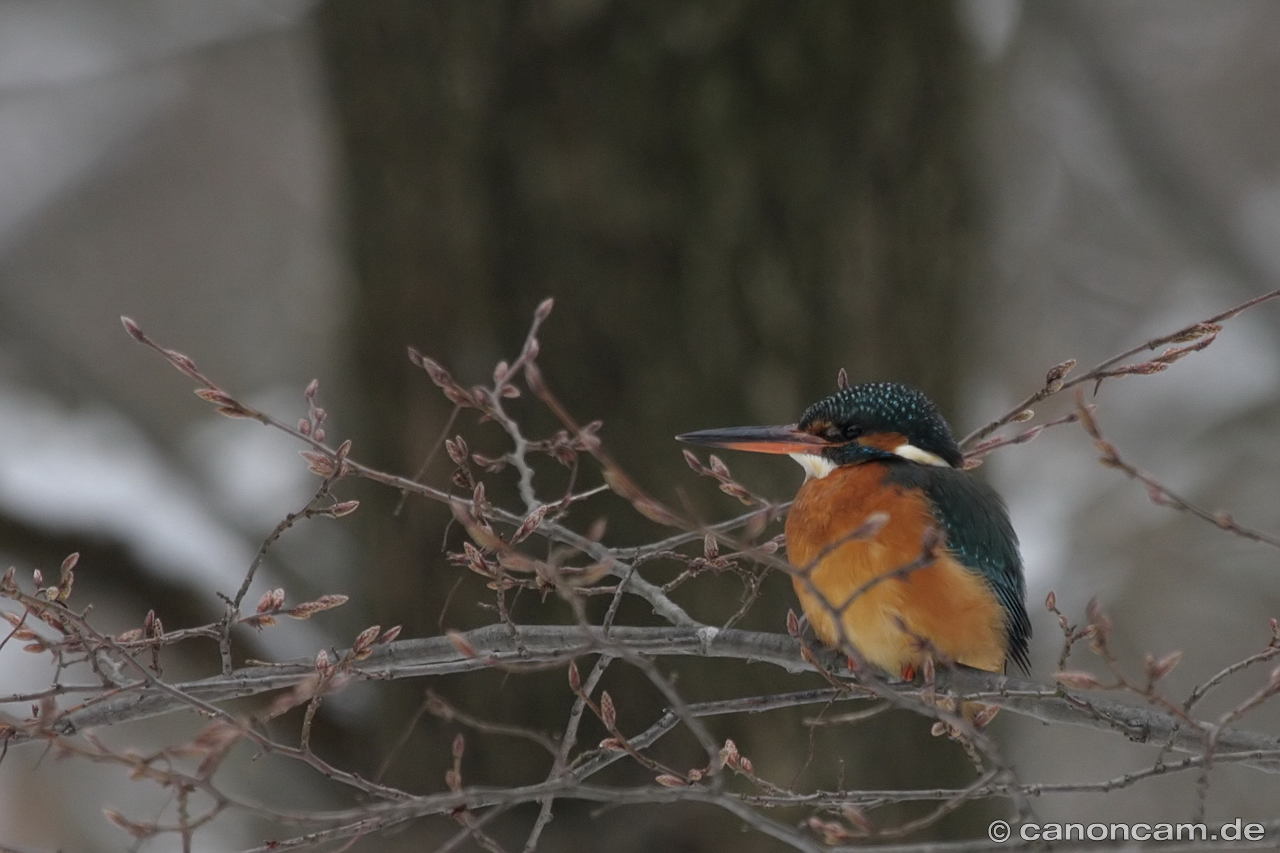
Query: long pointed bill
(764,439)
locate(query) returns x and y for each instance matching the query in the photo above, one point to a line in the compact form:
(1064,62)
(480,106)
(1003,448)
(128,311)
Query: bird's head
(861,423)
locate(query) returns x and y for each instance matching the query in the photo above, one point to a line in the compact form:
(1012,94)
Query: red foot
(909,672)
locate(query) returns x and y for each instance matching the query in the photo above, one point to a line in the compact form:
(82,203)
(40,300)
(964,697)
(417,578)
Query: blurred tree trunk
(729,201)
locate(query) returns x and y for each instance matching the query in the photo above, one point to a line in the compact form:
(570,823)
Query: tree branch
(540,646)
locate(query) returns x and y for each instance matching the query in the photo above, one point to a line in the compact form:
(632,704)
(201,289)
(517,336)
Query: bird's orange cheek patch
(889,441)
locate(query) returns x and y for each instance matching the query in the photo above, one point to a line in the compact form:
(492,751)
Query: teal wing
(978,532)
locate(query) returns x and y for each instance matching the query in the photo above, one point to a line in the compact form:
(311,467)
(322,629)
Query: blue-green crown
(880,407)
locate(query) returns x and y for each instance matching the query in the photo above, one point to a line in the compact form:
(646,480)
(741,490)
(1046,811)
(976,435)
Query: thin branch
(1160,494)
(1055,381)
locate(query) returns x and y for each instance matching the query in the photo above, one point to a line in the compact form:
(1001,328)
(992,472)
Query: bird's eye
(848,432)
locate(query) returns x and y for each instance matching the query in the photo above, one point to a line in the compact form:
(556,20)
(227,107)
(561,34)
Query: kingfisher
(896,549)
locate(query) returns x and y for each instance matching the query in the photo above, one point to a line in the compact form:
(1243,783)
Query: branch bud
(1077,679)
(342,508)
(460,642)
(133,329)
(575,680)
(608,713)
(1053,379)
(1159,668)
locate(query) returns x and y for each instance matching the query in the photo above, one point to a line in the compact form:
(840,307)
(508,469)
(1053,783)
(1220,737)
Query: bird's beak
(761,439)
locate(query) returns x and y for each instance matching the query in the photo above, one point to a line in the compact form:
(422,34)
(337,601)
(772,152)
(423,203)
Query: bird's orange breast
(945,603)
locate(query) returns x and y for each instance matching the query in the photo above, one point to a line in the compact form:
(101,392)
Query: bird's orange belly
(865,591)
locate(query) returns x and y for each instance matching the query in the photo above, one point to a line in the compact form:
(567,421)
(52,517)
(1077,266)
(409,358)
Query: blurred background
(729,201)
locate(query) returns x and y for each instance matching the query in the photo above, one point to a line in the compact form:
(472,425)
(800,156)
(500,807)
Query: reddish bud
(265,603)
(575,680)
(137,830)
(1159,668)
(729,753)
(871,525)
(342,508)
(543,311)
(717,466)
(307,609)
(530,524)
(366,638)
(181,361)
(608,714)
(318,463)
(1077,679)
(1028,435)
(857,817)
(215,395)
(793,623)
(133,329)
(461,643)
(1097,619)
(1053,379)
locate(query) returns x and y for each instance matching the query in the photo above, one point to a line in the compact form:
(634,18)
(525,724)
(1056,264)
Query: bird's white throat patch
(815,467)
(924,457)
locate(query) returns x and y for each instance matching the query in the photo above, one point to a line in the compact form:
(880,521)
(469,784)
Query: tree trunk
(729,201)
